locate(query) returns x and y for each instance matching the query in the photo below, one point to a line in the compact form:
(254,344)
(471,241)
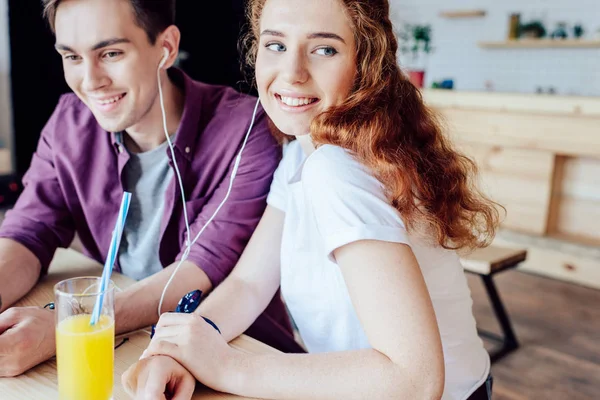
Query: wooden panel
(520,180)
(578,196)
(556,259)
(463,14)
(541,43)
(562,135)
(579,219)
(576,106)
(556,196)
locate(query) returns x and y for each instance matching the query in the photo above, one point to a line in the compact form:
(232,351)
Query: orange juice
(85,358)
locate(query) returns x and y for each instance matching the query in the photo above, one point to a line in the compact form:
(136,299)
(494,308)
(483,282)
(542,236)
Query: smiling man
(108,137)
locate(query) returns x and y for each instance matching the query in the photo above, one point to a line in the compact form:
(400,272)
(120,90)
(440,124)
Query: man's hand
(158,378)
(27,338)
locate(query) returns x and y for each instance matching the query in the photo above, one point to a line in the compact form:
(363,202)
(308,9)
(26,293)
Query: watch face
(189,302)
(187,305)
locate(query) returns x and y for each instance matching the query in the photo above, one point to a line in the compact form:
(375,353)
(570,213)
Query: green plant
(534,29)
(578,31)
(415,39)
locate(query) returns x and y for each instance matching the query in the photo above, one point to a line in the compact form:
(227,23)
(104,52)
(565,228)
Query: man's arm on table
(137,306)
(219,247)
(19,272)
(38,224)
(32,230)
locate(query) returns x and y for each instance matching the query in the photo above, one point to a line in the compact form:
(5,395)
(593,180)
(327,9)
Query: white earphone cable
(164,120)
(188,244)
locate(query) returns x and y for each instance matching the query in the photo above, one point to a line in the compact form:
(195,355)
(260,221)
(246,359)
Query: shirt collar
(297,177)
(187,133)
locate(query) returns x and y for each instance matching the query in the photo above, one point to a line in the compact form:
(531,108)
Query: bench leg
(508,340)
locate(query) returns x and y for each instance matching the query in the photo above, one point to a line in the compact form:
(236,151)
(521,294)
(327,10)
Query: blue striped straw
(112,255)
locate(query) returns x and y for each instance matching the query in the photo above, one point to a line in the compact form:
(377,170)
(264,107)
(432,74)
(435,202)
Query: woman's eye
(326,51)
(275,47)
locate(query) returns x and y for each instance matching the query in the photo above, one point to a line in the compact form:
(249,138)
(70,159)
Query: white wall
(5,103)
(457,56)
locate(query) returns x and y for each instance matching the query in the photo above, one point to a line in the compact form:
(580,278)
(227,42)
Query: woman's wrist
(233,374)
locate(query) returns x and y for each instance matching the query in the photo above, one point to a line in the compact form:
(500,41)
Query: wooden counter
(539,156)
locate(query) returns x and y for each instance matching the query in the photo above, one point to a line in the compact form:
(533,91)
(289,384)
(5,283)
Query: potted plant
(415,43)
(532,30)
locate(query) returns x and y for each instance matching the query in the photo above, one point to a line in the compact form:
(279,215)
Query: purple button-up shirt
(74,184)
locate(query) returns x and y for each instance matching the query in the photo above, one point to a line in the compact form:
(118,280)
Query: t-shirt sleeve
(348,203)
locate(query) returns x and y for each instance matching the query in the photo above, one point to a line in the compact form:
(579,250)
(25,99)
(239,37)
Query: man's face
(108,60)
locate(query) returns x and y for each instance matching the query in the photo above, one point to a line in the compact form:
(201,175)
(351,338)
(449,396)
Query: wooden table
(41,382)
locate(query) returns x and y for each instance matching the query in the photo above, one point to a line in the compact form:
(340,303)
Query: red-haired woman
(366,212)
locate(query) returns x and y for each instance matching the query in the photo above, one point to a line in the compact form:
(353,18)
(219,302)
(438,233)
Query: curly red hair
(386,125)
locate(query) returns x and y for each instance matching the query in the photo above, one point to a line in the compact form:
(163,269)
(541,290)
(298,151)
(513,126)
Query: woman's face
(306,61)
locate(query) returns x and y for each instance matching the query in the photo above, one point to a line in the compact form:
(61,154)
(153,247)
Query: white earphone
(238,159)
(164,59)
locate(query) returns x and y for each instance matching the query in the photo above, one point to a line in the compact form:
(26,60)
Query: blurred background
(517,85)
(470,43)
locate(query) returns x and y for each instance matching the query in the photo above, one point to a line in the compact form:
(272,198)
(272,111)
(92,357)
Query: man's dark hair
(153,16)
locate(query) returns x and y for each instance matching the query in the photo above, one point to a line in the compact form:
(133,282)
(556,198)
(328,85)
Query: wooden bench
(486,263)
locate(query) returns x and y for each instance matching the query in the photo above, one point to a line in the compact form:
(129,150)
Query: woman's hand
(158,378)
(196,345)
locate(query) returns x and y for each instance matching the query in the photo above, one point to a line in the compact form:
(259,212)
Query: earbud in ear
(165,57)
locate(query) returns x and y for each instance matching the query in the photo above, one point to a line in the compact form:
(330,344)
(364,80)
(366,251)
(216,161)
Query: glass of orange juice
(84,352)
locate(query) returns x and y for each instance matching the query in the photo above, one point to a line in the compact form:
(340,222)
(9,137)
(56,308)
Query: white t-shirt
(330,200)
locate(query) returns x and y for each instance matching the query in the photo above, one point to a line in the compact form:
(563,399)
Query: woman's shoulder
(334,165)
(331,154)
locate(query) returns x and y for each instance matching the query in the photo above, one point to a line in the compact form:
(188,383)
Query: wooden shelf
(463,14)
(541,43)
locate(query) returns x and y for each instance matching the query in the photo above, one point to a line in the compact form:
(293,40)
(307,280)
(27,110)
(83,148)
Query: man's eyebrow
(62,47)
(97,46)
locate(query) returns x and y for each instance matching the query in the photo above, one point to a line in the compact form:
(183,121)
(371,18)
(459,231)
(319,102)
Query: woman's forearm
(361,374)
(234,305)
